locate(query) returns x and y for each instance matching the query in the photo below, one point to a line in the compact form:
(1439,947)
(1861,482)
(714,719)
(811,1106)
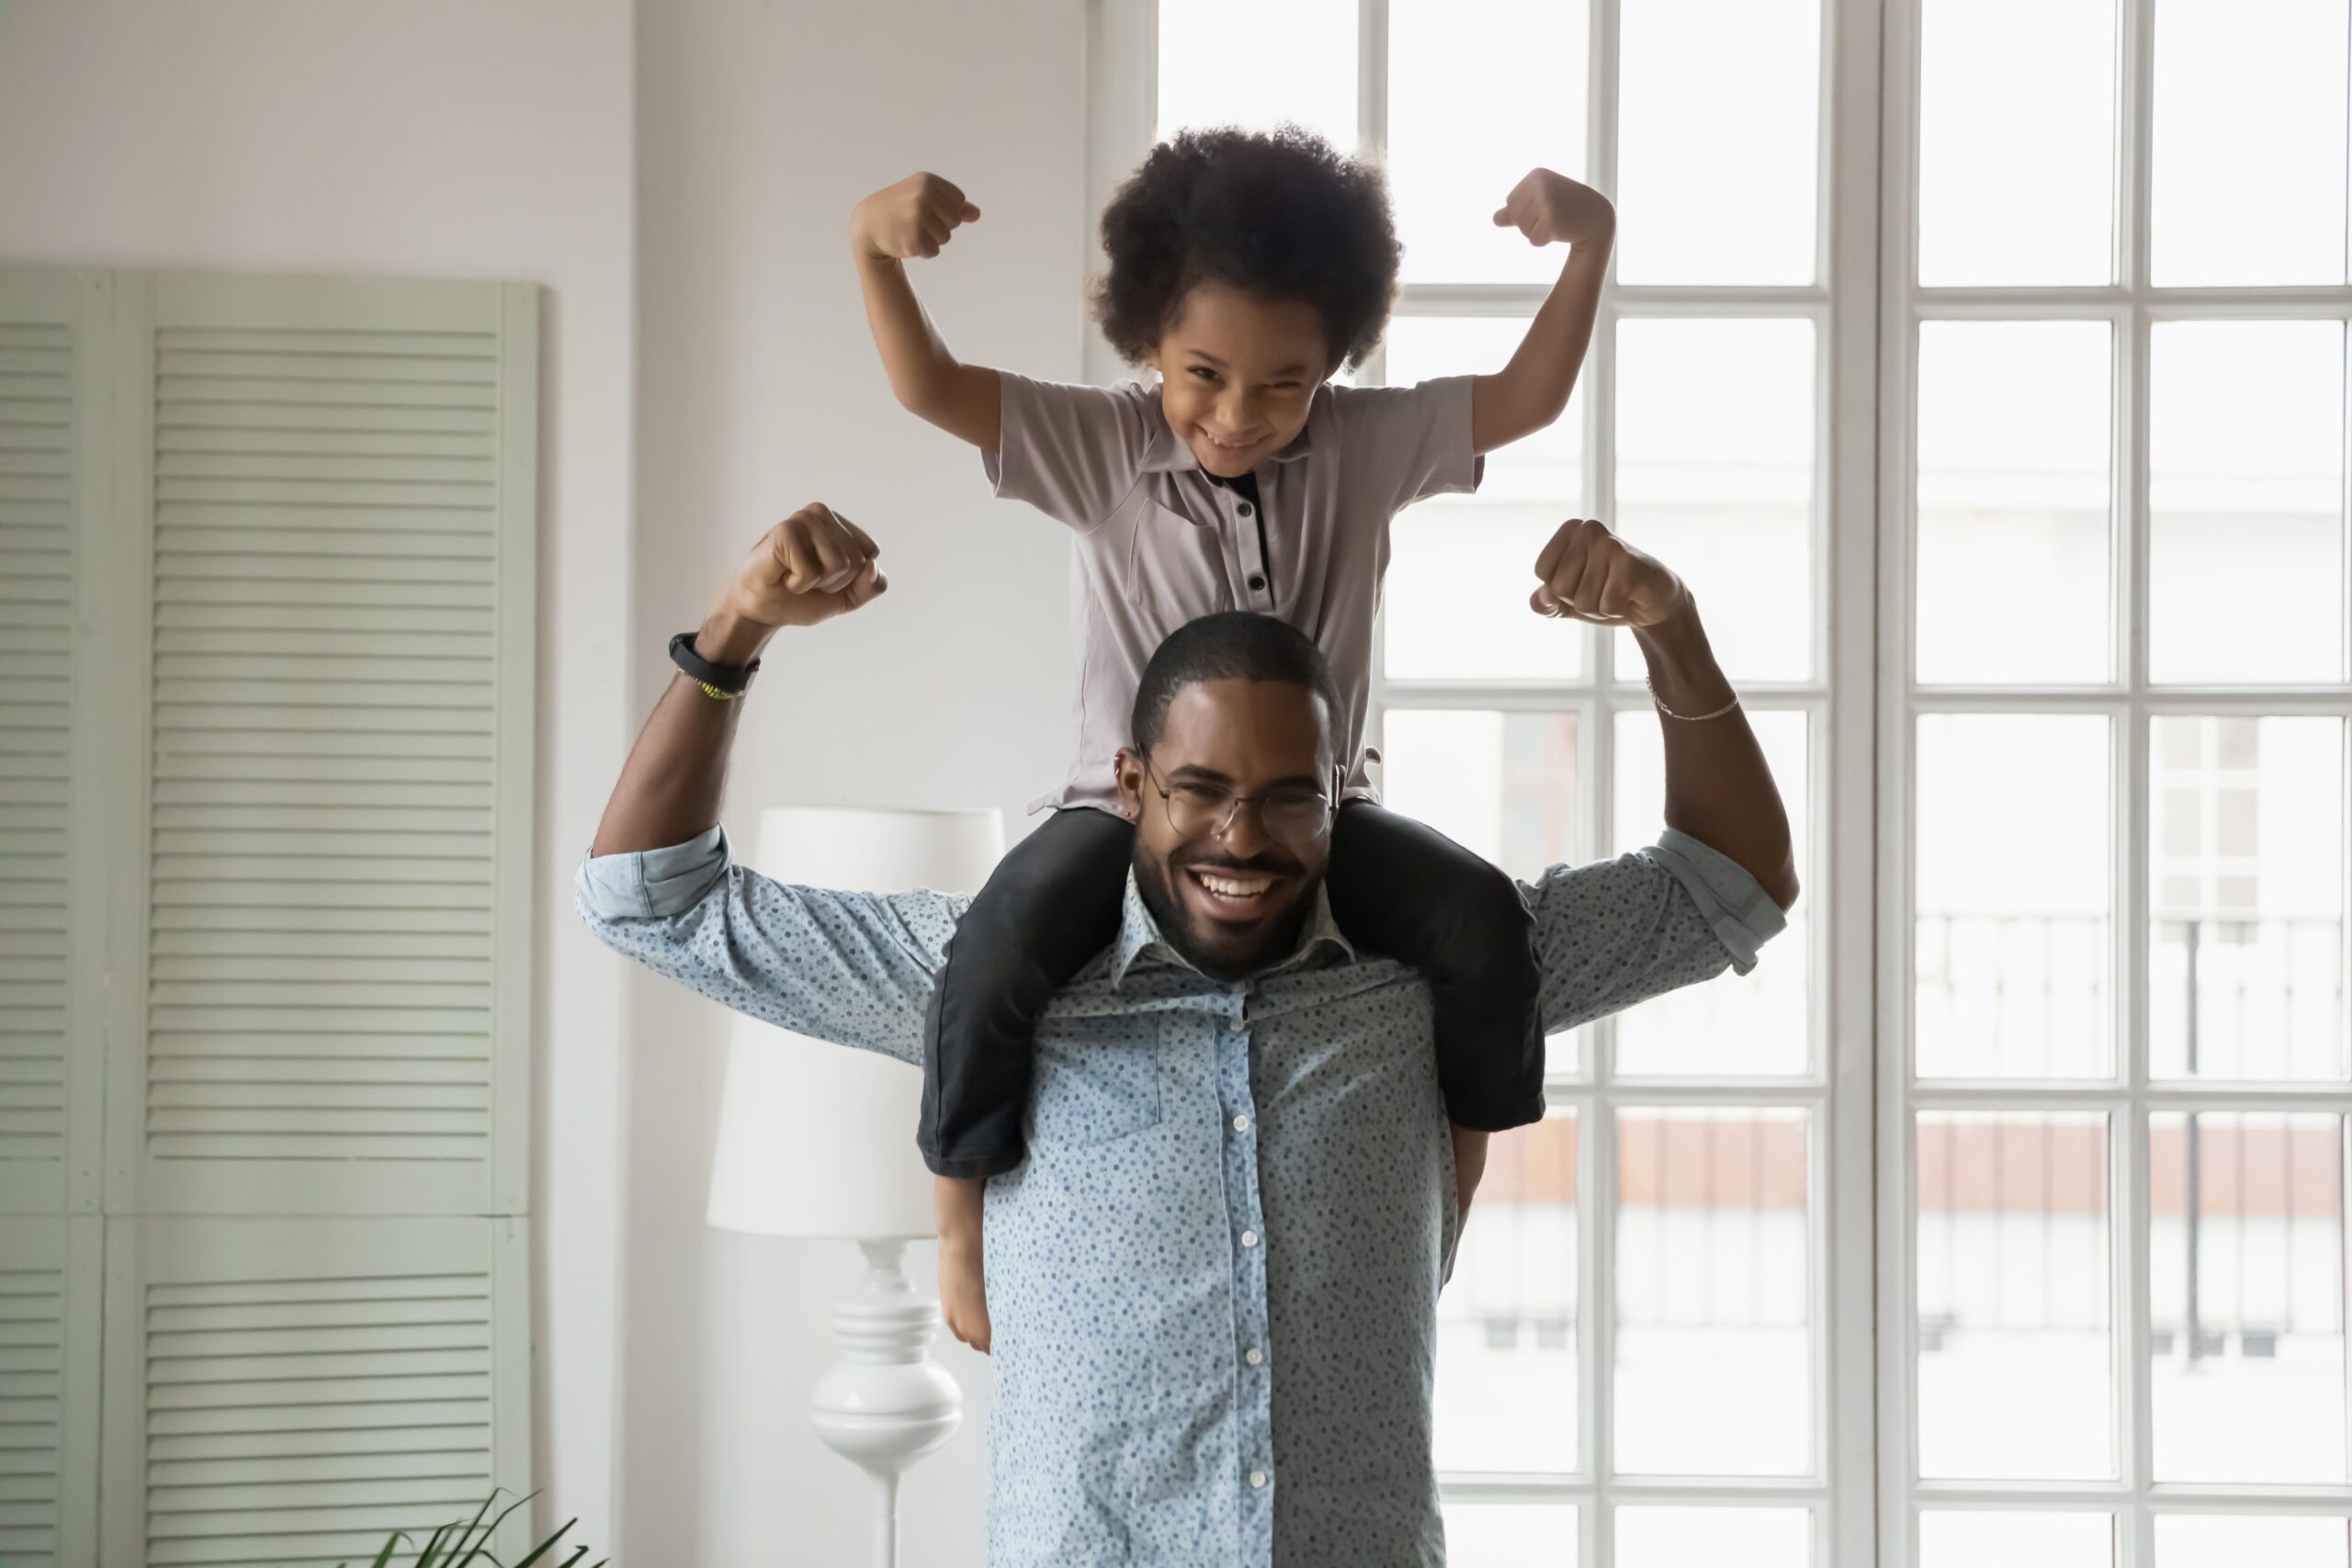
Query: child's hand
(913,217)
(1547,207)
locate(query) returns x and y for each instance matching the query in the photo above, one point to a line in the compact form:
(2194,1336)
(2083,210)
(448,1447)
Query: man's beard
(1175,919)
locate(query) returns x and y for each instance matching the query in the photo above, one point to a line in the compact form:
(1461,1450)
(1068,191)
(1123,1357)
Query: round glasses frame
(1214,816)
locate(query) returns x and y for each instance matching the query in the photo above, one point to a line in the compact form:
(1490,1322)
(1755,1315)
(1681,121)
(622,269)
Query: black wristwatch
(719,680)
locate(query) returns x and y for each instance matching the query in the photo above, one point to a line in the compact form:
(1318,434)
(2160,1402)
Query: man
(1213,1282)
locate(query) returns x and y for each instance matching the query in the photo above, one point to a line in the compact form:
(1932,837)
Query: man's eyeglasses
(1288,815)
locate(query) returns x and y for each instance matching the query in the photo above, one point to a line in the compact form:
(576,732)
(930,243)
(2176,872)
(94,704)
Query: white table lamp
(818,1140)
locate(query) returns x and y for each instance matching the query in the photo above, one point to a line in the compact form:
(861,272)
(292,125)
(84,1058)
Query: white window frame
(1836,1090)
(2132,305)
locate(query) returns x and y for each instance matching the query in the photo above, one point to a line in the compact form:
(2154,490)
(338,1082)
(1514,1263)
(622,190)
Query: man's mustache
(1279,865)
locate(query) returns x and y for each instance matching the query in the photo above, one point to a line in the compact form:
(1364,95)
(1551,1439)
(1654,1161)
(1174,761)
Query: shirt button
(1243,509)
(1257,583)
(1249,1238)
(1253,1356)
(1241,1123)
(1257,1478)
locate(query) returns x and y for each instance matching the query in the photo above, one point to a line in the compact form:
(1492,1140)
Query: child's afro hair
(1278,215)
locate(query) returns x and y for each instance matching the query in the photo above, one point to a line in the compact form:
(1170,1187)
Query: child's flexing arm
(1530,391)
(915,218)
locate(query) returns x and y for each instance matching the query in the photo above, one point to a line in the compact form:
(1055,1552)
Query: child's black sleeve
(1407,891)
(1052,904)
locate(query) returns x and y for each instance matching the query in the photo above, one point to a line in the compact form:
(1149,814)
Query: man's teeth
(1234,887)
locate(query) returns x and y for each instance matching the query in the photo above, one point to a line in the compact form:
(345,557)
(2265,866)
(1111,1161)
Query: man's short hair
(1234,645)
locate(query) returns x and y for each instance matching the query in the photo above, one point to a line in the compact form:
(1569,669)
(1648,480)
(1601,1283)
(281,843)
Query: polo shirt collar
(1139,938)
(1168,454)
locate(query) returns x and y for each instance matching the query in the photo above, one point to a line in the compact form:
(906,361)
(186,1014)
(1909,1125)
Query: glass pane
(1507,1322)
(1503,784)
(1299,65)
(1714,477)
(2013,889)
(1971,1539)
(1735,1024)
(2016,146)
(1714,1347)
(1467,119)
(2014,453)
(1509,1535)
(2233,1540)
(1702,203)
(2246,1296)
(1462,566)
(2013,1297)
(1678,1537)
(2245,501)
(2246,874)
(2248,172)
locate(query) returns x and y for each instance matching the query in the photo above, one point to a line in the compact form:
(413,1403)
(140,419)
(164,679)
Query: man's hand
(913,217)
(1590,574)
(1547,207)
(811,567)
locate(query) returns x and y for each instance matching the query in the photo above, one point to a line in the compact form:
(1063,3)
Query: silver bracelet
(1688,717)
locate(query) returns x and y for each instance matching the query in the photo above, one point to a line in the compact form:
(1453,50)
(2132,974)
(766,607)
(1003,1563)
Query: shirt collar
(1169,455)
(1139,937)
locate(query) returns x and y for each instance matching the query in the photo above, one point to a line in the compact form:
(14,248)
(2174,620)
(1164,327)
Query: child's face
(1238,375)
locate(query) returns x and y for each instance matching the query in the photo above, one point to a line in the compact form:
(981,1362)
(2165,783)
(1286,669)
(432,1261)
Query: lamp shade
(816,1139)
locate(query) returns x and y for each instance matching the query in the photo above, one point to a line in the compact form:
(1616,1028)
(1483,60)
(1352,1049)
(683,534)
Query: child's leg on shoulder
(1052,903)
(1403,889)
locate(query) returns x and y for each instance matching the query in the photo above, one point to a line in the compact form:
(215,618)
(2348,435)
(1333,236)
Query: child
(1245,269)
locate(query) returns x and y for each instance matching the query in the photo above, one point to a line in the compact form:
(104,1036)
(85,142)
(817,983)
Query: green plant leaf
(481,1548)
(548,1545)
(433,1554)
(390,1544)
(465,1531)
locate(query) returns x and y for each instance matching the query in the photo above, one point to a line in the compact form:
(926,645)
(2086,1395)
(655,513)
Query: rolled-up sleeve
(852,968)
(1407,444)
(1620,931)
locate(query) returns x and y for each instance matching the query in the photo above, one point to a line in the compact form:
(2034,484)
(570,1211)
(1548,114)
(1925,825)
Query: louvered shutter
(338,506)
(316,1112)
(52,474)
(287,1394)
(49,1390)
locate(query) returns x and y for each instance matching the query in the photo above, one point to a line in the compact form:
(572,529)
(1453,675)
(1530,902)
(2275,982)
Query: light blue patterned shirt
(1212,1284)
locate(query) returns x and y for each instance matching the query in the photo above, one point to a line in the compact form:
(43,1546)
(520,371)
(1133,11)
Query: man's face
(1237,375)
(1232,902)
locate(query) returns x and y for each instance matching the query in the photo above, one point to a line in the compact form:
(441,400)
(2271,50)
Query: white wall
(681,182)
(430,137)
(760,126)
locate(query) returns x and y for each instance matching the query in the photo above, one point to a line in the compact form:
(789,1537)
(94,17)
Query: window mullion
(1601,485)
(1371,78)
(2134,1389)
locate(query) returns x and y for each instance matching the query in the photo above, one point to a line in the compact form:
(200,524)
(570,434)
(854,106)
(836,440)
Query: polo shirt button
(1249,1238)
(1257,1478)
(1257,583)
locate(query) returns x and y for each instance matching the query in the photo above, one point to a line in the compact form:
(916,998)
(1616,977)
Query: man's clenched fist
(1589,574)
(811,567)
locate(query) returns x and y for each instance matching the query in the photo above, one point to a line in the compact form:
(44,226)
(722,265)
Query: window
(1685,1158)
(2112,815)
(1988,386)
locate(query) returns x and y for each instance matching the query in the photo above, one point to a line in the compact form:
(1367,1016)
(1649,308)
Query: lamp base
(887,1404)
